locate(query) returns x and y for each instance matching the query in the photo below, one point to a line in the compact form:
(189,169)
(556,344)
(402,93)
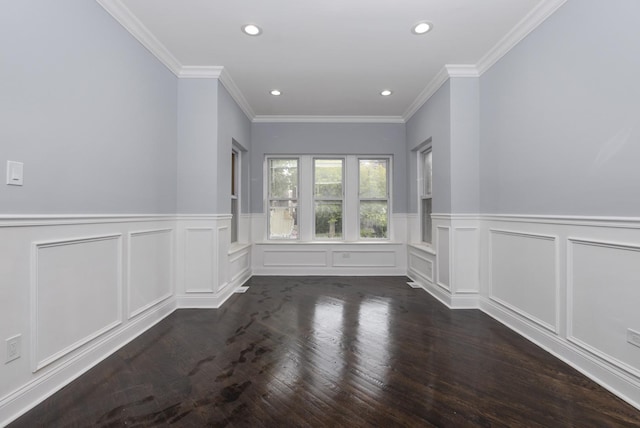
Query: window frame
(325,199)
(235,194)
(269,197)
(425,194)
(387,198)
(305,208)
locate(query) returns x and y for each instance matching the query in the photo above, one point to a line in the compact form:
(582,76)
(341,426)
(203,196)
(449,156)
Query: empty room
(341,213)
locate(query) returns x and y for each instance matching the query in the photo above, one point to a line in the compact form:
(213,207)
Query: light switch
(14,173)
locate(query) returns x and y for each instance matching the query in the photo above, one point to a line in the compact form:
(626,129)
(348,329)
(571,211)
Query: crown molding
(521,30)
(200,72)
(236,94)
(327,119)
(123,15)
(462,70)
(426,93)
(529,23)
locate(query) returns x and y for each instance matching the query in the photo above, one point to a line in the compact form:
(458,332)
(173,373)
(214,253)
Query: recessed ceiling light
(275,92)
(386,93)
(251,29)
(421,27)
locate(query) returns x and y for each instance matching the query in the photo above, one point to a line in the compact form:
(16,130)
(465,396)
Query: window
(426,170)
(283,198)
(373,193)
(328,198)
(234,196)
(328,185)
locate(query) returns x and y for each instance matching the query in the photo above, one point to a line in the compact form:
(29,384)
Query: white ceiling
(330,58)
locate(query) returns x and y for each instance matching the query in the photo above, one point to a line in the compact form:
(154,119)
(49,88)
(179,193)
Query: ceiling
(330,58)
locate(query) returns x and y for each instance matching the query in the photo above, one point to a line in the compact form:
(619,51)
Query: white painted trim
(571,242)
(137,29)
(200,72)
(294,265)
(26,220)
(214,252)
(461,70)
(326,119)
(236,94)
(555,329)
(439,283)
(431,88)
(618,383)
(172,257)
(35,247)
(529,23)
(537,16)
(42,387)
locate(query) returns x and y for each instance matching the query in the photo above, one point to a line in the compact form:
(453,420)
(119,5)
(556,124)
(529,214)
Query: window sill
(423,247)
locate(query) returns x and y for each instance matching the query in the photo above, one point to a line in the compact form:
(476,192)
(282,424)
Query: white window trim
(422,195)
(237,187)
(341,199)
(306,198)
(268,199)
(387,199)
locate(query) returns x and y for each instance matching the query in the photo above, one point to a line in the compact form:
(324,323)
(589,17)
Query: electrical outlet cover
(633,337)
(13,348)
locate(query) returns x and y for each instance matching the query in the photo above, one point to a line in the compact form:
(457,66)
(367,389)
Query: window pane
(328,178)
(373,178)
(427,173)
(373,219)
(426,221)
(283,178)
(283,220)
(234,220)
(233,173)
(329,219)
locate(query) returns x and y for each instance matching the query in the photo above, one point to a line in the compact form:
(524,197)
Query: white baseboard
(29,395)
(616,381)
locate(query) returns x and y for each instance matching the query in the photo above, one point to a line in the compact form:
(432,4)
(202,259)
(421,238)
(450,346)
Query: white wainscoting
(454,276)
(329,257)
(570,285)
(77,288)
(603,296)
(76,294)
(524,276)
(209,269)
(151,259)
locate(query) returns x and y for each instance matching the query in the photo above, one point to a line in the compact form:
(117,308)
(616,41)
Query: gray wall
(560,116)
(197,146)
(329,138)
(90,112)
(433,121)
(233,125)
(465,145)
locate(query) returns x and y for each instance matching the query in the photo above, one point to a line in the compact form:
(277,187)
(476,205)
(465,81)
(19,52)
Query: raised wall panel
(421,265)
(76,294)
(200,253)
(442,245)
(223,240)
(524,275)
(239,264)
(466,264)
(370,258)
(300,258)
(150,269)
(604,300)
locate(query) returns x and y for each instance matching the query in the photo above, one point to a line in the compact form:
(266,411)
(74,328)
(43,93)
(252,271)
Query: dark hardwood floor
(331,352)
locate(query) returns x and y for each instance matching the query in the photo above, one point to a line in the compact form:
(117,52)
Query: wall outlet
(13,348)
(633,337)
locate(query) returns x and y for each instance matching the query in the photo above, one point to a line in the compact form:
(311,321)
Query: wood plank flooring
(331,352)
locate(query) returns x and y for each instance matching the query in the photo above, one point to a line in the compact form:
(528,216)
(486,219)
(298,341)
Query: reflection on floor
(334,352)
